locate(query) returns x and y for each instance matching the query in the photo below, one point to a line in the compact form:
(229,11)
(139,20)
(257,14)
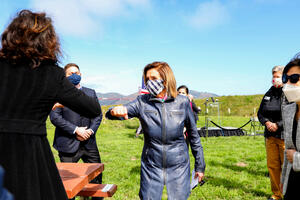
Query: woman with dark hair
(290,176)
(184,90)
(163,115)
(31,82)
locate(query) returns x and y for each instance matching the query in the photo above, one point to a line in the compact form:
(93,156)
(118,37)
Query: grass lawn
(235,166)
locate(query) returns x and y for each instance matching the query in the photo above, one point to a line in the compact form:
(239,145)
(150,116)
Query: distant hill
(201,95)
(114,98)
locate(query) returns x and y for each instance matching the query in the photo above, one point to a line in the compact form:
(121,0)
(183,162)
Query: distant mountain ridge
(114,98)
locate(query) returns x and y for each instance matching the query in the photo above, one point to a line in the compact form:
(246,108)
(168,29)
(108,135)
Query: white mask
(277,82)
(292,92)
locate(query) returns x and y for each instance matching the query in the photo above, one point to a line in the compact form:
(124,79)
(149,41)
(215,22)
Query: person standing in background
(269,115)
(184,90)
(75,135)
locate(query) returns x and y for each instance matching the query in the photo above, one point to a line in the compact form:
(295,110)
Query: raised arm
(76,100)
(126,111)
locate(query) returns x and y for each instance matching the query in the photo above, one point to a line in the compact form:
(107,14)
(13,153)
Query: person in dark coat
(290,177)
(31,82)
(269,115)
(163,115)
(75,135)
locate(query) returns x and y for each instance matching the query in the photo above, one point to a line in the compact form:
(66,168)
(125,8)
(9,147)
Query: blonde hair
(277,68)
(166,74)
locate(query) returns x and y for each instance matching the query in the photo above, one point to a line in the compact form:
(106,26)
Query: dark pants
(292,190)
(88,156)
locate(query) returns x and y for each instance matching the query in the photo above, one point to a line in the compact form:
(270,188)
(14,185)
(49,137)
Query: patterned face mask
(277,82)
(155,86)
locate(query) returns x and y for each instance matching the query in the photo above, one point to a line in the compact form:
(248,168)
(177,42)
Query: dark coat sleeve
(76,100)
(280,122)
(57,120)
(194,139)
(260,116)
(195,108)
(95,122)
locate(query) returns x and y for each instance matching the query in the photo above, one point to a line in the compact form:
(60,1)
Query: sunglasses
(294,78)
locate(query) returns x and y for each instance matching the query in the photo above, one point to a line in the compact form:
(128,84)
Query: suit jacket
(66,122)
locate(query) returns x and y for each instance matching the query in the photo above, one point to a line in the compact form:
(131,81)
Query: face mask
(291,92)
(277,82)
(155,86)
(74,78)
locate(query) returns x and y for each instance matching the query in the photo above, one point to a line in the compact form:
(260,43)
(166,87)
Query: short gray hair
(277,68)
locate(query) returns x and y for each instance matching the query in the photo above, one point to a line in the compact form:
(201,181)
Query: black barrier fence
(222,131)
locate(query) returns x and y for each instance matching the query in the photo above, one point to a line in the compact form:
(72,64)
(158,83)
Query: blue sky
(225,47)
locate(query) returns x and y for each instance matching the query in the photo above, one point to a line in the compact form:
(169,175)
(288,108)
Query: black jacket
(67,120)
(33,92)
(196,111)
(270,110)
(165,157)
(26,98)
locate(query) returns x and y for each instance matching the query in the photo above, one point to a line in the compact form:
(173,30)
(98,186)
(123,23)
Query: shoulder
(52,68)
(144,97)
(88,89)
(182,99)
(270,91)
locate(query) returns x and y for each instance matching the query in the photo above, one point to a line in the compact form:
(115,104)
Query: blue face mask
(75,79)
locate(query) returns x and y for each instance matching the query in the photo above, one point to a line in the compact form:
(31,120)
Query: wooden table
(76,176)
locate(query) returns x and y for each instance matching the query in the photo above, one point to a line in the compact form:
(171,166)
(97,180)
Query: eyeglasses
(294,78)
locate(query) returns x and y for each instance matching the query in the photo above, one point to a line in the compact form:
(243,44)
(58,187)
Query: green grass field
(235,166)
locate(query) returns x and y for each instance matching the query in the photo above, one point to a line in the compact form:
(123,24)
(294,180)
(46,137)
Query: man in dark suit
(74,134)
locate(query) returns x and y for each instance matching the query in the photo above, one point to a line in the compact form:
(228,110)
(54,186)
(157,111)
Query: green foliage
(239,105)
(235,166)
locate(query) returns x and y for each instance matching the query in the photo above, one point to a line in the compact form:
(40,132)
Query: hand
(200,176)
(275,127)
(90,131)
(119,111)
(57,105)
(290,155)
(82,132)
(79,138)
(272,127)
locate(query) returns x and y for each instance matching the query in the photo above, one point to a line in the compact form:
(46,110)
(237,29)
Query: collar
(162,100)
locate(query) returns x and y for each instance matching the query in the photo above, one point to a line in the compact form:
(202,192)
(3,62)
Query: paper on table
(194,182)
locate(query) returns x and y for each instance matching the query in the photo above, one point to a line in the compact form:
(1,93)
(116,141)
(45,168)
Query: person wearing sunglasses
(290,177)
(269,115)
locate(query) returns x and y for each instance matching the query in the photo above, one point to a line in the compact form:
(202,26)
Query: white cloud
(86,17)
(123,82)
(209,15)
